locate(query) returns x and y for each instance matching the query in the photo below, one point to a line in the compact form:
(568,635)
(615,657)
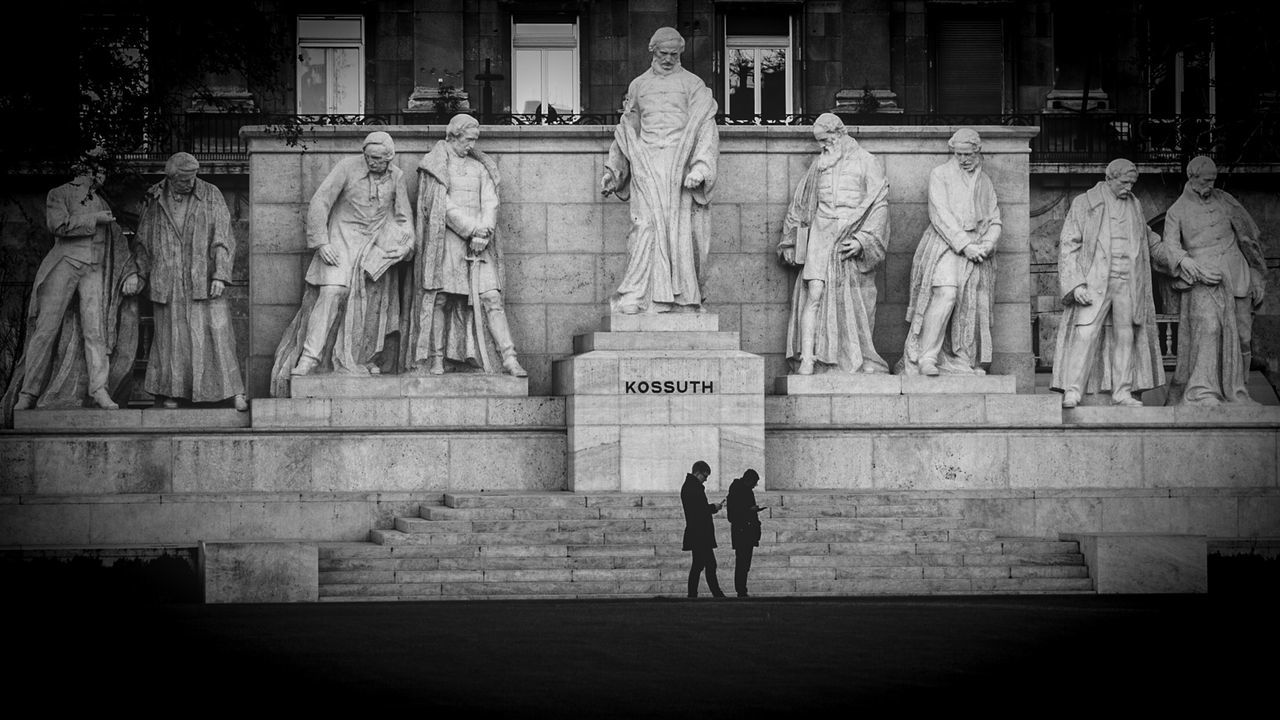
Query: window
(969,65)
(544,67)
(331,65)
(757,69)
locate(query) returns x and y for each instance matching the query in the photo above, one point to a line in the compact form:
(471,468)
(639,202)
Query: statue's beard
(829,157)
(660,70)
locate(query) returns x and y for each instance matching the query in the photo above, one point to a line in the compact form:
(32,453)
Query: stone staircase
(567,545)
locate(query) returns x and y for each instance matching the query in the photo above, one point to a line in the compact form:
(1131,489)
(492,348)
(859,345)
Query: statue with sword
(456,289)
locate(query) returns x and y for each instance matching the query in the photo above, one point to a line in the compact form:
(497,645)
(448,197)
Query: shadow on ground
(1047,655)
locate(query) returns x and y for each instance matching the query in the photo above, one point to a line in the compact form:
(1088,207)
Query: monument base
(674,391)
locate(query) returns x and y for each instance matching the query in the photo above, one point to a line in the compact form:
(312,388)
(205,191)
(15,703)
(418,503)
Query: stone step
(675,587)
(553,536)
(635,562)
(445,520)
(777,507)
(568,569)
(760,574)
(776,500)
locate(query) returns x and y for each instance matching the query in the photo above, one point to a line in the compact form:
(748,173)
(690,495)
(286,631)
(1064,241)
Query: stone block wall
(565,245)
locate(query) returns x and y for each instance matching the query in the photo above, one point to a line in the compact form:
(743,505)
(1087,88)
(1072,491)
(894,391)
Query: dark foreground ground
(999,656)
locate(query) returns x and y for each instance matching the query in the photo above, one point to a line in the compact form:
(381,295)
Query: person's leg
(742,566)
(52,298)
(942,301)
(501,332)
(96,355)
(438,321)
(1122,348)
(808,324)
(329,299)
(695,569)
(710,568)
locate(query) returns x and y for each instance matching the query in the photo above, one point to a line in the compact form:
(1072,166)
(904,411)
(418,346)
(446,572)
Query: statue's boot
(104,400)
(25,401)
(501,333)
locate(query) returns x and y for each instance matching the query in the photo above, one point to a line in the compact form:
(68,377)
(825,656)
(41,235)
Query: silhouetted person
(699,531)
(744,526)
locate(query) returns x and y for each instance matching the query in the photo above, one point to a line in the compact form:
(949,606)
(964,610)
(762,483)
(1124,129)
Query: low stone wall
(565,245)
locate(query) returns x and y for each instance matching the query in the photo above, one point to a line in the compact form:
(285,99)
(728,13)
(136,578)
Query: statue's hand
(327,254)
(787,255)
(106,217)
(215,288)
(1257,291)
(607,185)
(693,179)
(132,285)
(973,253)
(1194,272)
(478,244)
(850,248)
(1081,295)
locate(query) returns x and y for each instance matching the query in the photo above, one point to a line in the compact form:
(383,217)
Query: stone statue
(663,159)
(1215,325)
(837,230)
(82,324)
(1107,341)
(457,273)
(185,252)
(953,273)
(359,223)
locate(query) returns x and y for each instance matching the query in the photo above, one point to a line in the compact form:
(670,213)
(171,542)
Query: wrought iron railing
(1064,138)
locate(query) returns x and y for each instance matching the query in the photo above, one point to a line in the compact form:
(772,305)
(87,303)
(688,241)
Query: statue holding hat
(359,223)
(837,232)
(663,159)
(953,272)
(185,252)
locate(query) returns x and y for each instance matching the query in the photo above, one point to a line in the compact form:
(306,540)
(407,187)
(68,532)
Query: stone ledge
(1145,563)
(1228,415)
(943,410)
(239,572)
(404,386)
(411,413)
(92,419)
(650,340)
(661,322)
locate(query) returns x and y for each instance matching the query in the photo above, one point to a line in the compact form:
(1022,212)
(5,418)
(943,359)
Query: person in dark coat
(699,531)
(744,526)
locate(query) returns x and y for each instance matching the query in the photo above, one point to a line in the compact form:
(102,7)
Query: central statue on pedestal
(663,159)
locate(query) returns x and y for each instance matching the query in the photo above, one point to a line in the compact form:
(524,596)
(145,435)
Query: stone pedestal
(651,395)
(451,400)
(856,399)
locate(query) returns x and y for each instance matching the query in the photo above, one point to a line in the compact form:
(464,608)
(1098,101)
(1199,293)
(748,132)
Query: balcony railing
(1069,138)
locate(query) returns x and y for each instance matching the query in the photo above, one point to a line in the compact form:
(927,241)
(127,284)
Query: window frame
(327,44)
(794,74)
(521,44)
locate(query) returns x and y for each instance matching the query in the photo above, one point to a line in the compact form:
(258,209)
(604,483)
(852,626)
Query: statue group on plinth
(83,319)
(1108,341)
(362,226)
(837,231)
(401,285)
